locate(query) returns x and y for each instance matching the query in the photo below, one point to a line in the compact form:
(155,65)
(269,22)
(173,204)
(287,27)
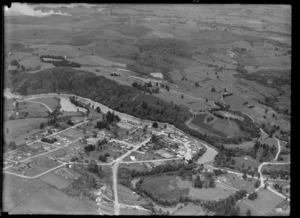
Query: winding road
(37,103)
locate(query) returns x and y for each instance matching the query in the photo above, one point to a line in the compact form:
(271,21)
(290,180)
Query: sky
(25,9)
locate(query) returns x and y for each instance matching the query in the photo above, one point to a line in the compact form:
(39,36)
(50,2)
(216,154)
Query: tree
(248,213)
(257,184)
(14,63)
(102,158)
(12,145)
(252,196)
(244,175)
(155,125)
(42,126)
(98,110)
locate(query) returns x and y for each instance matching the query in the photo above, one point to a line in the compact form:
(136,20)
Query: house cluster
(27,151)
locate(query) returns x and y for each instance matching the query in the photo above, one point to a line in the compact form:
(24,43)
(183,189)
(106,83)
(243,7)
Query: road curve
(38,103)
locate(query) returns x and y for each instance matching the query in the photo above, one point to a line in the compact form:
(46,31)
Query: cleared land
(22,128)
(220,127)
(264,204)
(52,103)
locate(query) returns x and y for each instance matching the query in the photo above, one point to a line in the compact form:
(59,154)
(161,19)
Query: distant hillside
(108,92)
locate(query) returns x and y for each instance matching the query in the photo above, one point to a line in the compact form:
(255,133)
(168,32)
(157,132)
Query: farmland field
(126,196)
(51,201)
(239,183)
(22,128)
(190,210)
(219,127)
(52,103)
(264,205)
(33,109)
(164,188)
(184,71)
(54,180)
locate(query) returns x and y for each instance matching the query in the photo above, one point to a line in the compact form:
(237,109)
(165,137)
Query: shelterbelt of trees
(116,96)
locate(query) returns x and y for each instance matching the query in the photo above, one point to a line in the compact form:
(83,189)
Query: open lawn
(263,205)
(22,128)
(51,102)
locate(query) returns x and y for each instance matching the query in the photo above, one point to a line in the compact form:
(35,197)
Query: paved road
(274,163)
(115,173)
(157,160)
(279,149)
(34,177)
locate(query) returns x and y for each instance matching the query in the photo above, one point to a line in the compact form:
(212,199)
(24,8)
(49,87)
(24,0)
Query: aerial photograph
(146,109)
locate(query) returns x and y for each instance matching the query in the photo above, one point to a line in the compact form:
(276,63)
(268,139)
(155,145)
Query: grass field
(134,212)
(135,166)
(54,180)
(22,128)
(239,183)
(127,197)
(52,102)
(189,210)
(51,201)
(16,190)
(247,161)
(217,193)
(163,187)
(33,109)
(263,205)
(284,167)
(220,127)
(71,134)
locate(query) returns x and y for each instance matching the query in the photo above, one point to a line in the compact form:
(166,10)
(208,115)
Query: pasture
(33,109)
(51,102)
(51,201)
(22,128)
(189,210)
(54,180)
(264,205)
(220,127)
(245,162)
(238,182)
(126,196)
(163,187)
